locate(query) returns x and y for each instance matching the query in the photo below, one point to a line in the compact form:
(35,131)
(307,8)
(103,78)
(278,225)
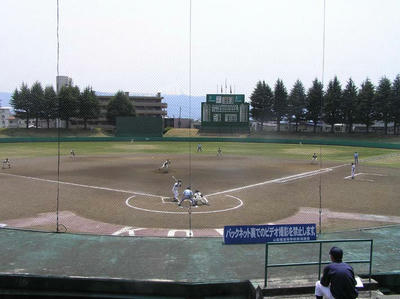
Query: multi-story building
(8,120)
(5,116)
(151,106)
(62,81)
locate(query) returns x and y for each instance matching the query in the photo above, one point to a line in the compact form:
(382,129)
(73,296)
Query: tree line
(348,105)
(38,103)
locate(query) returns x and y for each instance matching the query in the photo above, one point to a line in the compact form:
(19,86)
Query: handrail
(319,262)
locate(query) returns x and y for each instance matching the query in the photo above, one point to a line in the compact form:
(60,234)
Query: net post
(266,265)
(319,260)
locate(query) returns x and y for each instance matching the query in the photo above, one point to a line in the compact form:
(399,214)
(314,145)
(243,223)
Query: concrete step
(362,295)
(296,287)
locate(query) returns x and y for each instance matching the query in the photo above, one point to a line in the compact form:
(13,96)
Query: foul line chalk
(127,202)
(82,185)
(280,180)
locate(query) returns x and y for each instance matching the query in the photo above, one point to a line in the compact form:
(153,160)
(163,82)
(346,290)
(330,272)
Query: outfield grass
(184,132)
(378,157)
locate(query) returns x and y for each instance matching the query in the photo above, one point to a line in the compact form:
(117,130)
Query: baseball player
(6,163)
(199,199)
(187,194)
(175,189)
(199,147)
(219,152)
(355,158)
(314,158)
(165,166)
(72,154)
(353,170)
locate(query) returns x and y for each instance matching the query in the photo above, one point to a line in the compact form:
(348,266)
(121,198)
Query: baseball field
(117,188)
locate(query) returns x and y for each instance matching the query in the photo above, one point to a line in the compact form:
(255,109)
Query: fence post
(319,260)
(266,265)
(370,259)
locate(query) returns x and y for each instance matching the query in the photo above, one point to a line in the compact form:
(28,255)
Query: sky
(150,46)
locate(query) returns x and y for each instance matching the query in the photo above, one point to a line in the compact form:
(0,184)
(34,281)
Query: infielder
(353,170)
(355,158)
(175,189)
(199,147)
(187,194)
(314,158)
(219,152)
(6,162)
(198,198)
(164,167)
(72,154)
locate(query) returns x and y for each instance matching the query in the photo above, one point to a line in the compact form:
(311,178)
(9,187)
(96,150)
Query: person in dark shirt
(337,281)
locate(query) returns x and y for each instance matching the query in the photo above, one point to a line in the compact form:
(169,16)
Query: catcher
(199,199)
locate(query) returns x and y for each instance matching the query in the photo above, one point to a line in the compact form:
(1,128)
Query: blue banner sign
(250,234)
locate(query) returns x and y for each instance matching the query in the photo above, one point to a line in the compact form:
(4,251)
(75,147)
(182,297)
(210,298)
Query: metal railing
(319,262)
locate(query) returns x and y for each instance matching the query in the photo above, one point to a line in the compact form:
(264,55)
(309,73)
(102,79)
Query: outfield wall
(139,126)
(206,139)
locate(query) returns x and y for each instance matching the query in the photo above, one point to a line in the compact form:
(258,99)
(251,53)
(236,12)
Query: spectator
(337,281)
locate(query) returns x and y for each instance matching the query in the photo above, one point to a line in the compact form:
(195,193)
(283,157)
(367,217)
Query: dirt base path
(78,224)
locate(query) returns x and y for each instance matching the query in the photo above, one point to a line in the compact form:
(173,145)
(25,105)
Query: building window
(217,117)
(244,113)
(230,118)
(224,108)
(227,100)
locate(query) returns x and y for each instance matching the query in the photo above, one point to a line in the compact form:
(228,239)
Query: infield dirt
(128,190)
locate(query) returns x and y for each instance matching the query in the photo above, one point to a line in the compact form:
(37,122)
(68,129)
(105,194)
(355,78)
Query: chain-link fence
(165,125)
(192,186)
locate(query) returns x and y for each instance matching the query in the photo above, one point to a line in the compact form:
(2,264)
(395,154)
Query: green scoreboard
(224,110)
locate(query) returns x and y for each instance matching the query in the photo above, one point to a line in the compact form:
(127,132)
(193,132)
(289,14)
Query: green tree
(37,99)
(333,103)
(280,102)
(261,102)
(383,101)
(396,103)
(119,106)
(22,104)
(296,105)
(50,105)
(16,101)
(88,106)
(314,102)
(366,107)
(68,103)
(349,104)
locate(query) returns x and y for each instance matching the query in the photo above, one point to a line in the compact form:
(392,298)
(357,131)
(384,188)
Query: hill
(183,103)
